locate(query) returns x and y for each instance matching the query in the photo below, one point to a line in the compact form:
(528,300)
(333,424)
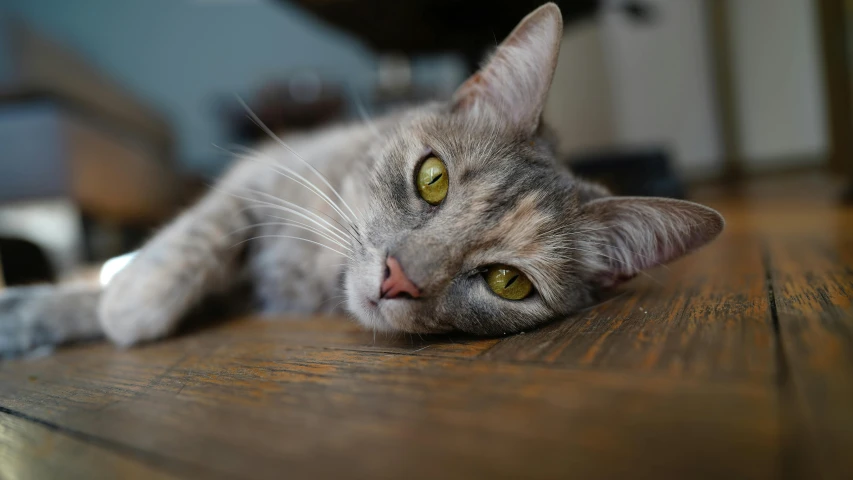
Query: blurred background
(110,110)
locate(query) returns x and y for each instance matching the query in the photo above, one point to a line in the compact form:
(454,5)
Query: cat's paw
(20,328)
(35,319)
(140,305)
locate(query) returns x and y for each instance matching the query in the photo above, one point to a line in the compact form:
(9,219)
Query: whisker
(359,105)
(261,204)
(317,213)
(295,212)
(288,204)
(289,224)
(296,222)
(339,304)
(249,154)
(253,155)
(293,238)
(334,297)
(275,137)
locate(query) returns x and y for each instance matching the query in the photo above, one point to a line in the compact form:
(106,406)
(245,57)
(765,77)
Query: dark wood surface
(736,362)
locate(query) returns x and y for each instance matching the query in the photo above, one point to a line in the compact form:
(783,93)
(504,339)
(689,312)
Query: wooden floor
(736,362)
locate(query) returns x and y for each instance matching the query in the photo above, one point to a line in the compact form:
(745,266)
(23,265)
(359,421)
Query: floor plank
(325,412)
(813,287)
(31,450)
(345,334)
(705,316)
(736,362)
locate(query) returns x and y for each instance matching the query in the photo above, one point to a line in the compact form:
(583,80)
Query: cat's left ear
(630,234)
(516,79)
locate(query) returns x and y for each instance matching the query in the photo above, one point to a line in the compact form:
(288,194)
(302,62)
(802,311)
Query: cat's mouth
(377,319)
(379,312)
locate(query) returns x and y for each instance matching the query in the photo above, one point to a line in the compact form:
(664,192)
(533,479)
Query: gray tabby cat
(448,216)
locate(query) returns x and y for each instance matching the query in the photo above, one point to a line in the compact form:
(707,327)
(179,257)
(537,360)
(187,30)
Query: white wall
(579,107)
(662,84)
(617,83)
(182,55)
(778,81)
(654,84)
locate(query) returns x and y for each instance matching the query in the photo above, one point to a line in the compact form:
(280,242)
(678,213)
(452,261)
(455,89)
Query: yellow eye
(432,180)
(508,282)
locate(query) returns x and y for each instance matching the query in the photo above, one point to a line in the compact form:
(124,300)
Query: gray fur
(28,317)
(508,202)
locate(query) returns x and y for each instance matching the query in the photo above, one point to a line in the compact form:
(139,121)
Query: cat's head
(474,226)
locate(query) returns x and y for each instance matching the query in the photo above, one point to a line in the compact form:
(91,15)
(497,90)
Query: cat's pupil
(511,281)
(435,179)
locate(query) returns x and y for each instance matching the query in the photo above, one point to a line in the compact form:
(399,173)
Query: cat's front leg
(190,259)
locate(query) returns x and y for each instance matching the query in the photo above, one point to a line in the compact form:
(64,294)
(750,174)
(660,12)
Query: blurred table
(77,152)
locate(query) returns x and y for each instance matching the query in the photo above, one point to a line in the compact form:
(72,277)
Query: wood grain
(265,408)
(812,283)
(30,450)
(345,334)
(737,362)
(706,316)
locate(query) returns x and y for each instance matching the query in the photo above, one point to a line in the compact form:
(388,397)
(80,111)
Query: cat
(449,216)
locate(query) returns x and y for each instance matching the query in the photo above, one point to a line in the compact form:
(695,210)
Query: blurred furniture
(25,263)
(301,102)
(634,172)
(400,30)
(74,146)
(836,28)
(417,27)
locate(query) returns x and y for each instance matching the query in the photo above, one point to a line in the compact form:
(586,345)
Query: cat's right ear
(515,81)
(588,191)
(630,234)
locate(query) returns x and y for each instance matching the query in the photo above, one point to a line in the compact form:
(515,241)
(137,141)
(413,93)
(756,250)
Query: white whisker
(359,106)
(276,207)
(303,209)
(263,204)
(333,298)
(275,137)
(296,225)
(313,211)
(339,304)
(286,219)
(253,155)
(293,238)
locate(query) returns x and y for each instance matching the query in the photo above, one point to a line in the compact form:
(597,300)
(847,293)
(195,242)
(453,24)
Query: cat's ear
(589,191)
(516,79)
(630,234)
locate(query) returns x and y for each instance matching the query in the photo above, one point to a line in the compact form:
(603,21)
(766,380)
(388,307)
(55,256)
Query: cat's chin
(367,312)
(375,315)
(384,315)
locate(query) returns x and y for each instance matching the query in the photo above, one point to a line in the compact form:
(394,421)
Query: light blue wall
(182,55)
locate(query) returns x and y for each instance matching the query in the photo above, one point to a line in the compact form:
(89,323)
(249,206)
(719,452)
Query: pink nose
(396,282)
